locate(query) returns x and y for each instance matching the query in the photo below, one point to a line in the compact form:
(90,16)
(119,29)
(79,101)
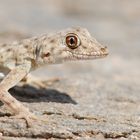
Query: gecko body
(19,58)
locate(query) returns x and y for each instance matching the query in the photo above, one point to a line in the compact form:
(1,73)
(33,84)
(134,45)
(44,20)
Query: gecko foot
(31,80)
(51,81)
(30,118)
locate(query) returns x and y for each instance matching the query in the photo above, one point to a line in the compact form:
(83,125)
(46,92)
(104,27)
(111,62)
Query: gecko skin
(19,58)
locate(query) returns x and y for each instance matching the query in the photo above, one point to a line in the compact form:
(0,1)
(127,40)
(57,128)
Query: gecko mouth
(89,56)
(93,55)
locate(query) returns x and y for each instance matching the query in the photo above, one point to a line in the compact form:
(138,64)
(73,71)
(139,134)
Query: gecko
(19,58)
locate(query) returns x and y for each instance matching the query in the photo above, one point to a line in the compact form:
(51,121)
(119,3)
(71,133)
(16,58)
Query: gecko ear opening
(72,41)
(46,55)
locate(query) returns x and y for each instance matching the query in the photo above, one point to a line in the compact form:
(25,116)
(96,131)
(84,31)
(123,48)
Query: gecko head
(75,44)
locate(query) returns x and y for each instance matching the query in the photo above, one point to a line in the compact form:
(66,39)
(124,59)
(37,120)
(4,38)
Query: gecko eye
(72,41)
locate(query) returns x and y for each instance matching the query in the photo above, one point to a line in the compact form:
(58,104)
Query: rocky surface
(93,99)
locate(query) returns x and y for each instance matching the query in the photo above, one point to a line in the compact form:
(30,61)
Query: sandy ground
(93,99)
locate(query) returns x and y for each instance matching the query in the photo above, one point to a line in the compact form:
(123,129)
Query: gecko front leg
(13,77)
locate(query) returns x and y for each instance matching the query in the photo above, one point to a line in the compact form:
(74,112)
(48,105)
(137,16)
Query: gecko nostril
(103,49)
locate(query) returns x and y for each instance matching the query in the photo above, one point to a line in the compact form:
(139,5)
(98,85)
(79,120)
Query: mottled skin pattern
(19,58)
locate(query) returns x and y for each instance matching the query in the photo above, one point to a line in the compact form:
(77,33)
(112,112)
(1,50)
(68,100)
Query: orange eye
(72,41)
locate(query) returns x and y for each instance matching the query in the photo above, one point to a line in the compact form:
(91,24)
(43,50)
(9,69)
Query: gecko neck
(37,45)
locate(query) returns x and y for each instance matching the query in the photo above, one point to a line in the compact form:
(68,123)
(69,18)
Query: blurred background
(115,24)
